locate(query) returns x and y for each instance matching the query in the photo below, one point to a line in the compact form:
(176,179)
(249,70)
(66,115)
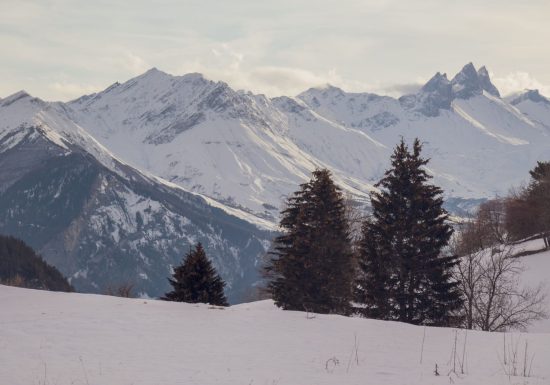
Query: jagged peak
(482,71)
(20,95)
(467,73)
(470,82)
(436,82)
(485,80)
(16,96)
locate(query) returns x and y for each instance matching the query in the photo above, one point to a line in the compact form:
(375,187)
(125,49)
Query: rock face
(436,95)
(439,93)
(104,223)
(529,95)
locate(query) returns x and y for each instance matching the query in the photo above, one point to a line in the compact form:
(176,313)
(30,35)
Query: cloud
(397,90)
(519,81)
(274,48)
(234,67)
(68,90)
(134,64)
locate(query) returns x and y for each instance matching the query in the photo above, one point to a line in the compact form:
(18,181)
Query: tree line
(406,264)
(396,271)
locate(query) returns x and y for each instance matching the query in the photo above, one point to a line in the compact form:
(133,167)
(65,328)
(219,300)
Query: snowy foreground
(62,339)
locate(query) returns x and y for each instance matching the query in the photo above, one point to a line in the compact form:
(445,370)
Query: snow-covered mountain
(243,150)
(122,181)
(479,144)
(102,222)
(249,152)
(533,105)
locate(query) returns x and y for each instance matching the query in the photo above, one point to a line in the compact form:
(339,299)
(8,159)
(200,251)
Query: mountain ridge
(102,222)
(151,165)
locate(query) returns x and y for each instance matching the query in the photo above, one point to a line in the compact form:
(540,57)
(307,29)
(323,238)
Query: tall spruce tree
(311,266)
(403,274)
(196,281)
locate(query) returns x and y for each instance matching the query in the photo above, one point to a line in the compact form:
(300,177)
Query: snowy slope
(537,270)
(62,339)
(533,105)
(243,150)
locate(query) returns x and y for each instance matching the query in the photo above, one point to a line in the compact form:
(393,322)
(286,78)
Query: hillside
(537,269)
(62,339)
(20,266)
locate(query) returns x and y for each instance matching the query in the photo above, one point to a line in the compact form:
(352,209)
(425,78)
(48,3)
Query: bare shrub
(125,290)
(17,281)
(494,299)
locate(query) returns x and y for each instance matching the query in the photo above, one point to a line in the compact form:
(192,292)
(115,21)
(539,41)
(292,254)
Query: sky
(62,49)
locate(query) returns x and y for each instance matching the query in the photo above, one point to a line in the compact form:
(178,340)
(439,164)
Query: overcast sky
(61,49)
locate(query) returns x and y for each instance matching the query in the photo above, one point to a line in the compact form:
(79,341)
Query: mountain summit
(439,92)
(469,82)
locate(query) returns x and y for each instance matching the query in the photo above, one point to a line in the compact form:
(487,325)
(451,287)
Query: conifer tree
(403,274)
(311,266)
(196,281)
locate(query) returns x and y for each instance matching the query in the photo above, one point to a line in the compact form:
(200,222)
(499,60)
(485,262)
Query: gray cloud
(54,48)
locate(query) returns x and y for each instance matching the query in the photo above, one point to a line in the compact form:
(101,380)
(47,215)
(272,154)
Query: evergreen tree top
(541,172)
(196,280)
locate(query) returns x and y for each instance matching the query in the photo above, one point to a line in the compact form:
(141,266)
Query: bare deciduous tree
(495,300)
(123,290)
(355,215)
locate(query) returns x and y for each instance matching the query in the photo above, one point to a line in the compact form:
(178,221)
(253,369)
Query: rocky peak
(438,83)
(532,95)
(15,97)
(435,95)
(485,81)
(469,82)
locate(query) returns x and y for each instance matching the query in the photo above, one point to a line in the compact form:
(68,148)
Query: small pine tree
(312,263)
(403,275)
(196,281)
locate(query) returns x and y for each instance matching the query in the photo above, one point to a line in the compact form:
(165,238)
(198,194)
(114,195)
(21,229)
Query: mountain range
(118,184)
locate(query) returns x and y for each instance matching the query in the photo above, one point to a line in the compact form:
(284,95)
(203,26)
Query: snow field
(59,338)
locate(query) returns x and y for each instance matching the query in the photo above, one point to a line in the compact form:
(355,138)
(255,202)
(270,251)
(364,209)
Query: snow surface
(62,339)
(537,271)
